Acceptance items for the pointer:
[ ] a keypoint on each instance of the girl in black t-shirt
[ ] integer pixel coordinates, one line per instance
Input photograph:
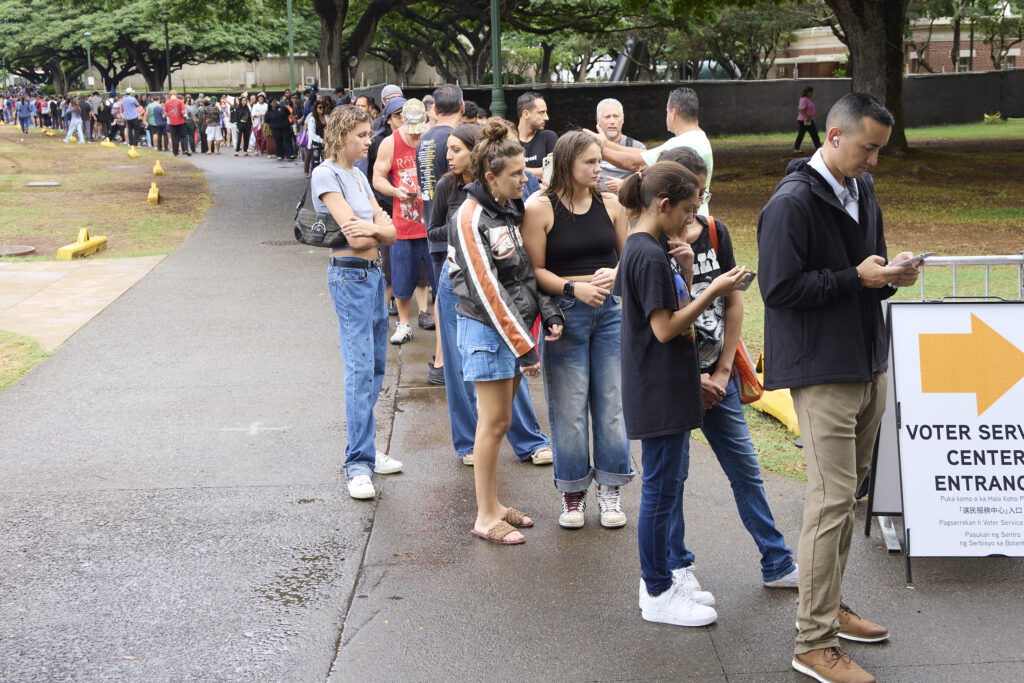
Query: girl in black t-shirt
(661, 393)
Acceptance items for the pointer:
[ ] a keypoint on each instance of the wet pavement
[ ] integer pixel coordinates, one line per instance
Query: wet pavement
(174, 509)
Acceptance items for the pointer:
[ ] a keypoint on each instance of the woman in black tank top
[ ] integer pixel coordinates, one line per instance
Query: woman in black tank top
(574, 235)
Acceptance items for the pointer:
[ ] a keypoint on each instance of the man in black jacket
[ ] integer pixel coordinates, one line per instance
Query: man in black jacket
(822, 262)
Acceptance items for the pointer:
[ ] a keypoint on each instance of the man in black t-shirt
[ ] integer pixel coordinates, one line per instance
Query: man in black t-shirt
(431, 164)
(536, 141)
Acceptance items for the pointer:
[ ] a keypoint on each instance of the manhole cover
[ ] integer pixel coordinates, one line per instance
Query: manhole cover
(16, 250)
(279, 243)
(43, 183)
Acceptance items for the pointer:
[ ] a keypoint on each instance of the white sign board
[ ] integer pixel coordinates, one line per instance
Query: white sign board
(957, 371)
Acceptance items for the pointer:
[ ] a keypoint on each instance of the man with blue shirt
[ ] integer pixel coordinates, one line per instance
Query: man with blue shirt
(130, 112)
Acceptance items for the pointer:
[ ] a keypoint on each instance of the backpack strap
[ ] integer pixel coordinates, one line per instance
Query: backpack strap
(713, 232)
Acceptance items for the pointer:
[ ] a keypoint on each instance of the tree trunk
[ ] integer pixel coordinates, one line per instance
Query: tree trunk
(954, 52)
(545, 62)
(874, 29)
(334, 50)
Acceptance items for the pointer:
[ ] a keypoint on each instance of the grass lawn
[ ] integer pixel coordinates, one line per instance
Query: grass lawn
(18, 355)
(958, 192)
(101, 189)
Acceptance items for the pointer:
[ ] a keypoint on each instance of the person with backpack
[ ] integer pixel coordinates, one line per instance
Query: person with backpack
(661, 389)
(610, 117)
(717, 332)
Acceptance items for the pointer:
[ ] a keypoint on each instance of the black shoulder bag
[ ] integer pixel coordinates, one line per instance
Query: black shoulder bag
(317, 229)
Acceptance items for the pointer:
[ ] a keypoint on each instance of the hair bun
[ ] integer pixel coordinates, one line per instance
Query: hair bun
(496, 130)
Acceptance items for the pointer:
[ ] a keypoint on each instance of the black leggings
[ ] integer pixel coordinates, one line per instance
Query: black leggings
(242, 139)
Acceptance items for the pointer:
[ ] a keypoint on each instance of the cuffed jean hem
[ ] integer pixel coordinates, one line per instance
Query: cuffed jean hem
(601, 477)
(355, 469)
(576, 485)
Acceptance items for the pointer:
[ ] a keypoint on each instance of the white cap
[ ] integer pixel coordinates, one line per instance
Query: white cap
(129, 91)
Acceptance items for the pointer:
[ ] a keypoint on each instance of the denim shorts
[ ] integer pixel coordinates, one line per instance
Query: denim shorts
(485, 357)
(408, 257)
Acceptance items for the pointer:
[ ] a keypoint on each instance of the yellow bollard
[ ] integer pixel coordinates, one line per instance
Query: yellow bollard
(154, 195)
(107, 143)
(133, 153)
(74, 138)
(51, 133)
(83, 247)
(156, 168)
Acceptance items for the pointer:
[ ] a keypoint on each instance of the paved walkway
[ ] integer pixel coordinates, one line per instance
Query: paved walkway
(50, 300)
(174, 508)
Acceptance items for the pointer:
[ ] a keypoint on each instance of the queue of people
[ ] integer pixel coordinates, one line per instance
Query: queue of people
(614, 283)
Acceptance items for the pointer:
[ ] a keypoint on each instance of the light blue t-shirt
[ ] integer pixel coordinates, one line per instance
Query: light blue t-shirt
(351, 183)
(130, 109)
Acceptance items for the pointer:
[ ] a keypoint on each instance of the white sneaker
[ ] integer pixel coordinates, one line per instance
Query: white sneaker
(361, 487)
(573, 507)
(790, 580)
(675, 606)
(686, 577)
(385, 464)
(403, 333)
(608, 500)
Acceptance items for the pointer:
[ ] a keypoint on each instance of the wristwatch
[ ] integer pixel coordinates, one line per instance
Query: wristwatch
(569, 289)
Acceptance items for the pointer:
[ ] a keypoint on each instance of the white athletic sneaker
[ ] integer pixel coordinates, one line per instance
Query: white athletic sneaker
(361, 487)
(790, 580)
(573, 507)
(385, 464)
(686, 577)
(403, 333)
(675, 606)
(608, 500)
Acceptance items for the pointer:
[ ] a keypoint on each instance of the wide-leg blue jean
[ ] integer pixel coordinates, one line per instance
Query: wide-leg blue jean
(727, 433)
(524, 434)
(358, 294)
(583, 380)
(666, 463)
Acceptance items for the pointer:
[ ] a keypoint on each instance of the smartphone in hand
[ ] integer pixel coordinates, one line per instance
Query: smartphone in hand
(912, 260)
(748, 280)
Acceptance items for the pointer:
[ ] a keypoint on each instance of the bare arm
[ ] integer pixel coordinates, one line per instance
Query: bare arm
(629, 158)
(382, 168)
(361, 234)
(667, 325)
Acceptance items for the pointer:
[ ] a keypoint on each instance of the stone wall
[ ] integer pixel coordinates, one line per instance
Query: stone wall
(736, 107)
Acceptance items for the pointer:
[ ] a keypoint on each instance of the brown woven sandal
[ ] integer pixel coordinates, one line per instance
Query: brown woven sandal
(517, 518)
(498, 532)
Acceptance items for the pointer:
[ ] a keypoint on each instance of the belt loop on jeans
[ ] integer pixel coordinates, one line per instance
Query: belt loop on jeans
(353, 262)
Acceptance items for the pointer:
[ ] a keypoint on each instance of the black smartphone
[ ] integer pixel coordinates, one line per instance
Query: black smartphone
(748, 280)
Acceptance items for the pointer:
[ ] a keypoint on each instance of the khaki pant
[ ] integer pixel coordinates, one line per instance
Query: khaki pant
(838, 423)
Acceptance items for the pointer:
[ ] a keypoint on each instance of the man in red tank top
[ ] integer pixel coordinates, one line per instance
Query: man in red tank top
(394, 175)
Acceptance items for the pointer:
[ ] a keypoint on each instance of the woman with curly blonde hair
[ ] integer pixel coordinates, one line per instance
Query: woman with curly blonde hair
(356, 283)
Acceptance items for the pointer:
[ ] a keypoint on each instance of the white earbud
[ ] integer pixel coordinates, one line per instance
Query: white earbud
(835, 141)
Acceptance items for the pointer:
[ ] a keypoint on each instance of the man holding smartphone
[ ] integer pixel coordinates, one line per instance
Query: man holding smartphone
(823, 275)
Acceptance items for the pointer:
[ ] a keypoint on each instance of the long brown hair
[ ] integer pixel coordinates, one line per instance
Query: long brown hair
(568, 149)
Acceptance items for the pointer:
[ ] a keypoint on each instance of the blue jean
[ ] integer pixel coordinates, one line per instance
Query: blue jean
(26, 121)
(358, 295)
(75, 127)
(583, 379)
(666, 463)
(407, 257)
(524, 434)
(726, 430)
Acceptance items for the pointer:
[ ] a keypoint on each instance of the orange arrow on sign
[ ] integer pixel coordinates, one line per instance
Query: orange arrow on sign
(982, 362)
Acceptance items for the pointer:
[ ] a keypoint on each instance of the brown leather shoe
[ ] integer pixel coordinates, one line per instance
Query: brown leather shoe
(831, 665)
(853, 627)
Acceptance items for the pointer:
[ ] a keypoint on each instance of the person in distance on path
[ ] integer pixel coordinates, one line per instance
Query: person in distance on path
(822, 262)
